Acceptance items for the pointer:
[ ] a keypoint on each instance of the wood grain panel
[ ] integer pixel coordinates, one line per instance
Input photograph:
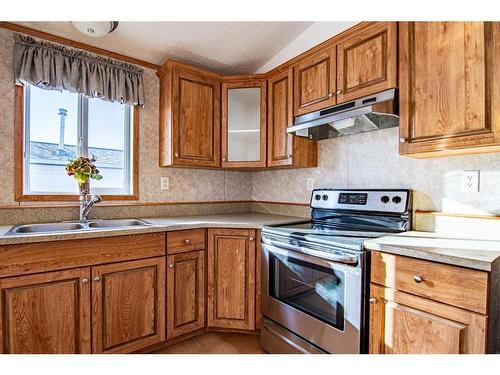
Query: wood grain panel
(407, 324)
(453, 285)
(128, 302)
(231, 278)
(185, 293)
(48, 256)
(196, 119)
(186, 240)
(315, 82)
(367, 61)
(47, 313)
(280, 117)
(447, 86)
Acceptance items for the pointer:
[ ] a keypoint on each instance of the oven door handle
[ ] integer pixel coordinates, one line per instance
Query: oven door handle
(309, 255)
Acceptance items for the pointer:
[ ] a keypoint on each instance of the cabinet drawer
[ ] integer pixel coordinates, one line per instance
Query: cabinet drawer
(185, 240)
(452, 285)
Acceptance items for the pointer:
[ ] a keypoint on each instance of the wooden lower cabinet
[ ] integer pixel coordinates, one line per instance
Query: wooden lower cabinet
(47, 313)
(231, 279)
(402, 323)
(185, 293)
(128, 301)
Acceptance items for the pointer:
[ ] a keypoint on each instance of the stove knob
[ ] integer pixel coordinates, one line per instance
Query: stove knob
(384, 199)
(317, 197)
(396, 199)
(325, 197)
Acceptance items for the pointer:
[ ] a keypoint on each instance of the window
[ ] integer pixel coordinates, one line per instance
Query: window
(59, 126)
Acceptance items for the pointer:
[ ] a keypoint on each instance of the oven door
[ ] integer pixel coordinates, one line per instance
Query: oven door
(318, 299)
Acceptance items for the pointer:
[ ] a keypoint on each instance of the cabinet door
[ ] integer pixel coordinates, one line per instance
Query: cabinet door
(315, 82)
(401, 323)
(283, 149)
(128, 305)
(446, 83)
(244, 123)
(196, 119)
(280, 117)
(47, 313)
(366, 61)
(185, 293)
(231, 278)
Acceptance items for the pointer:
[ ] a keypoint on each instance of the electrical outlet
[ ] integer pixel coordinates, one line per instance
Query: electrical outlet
(164, 183)
(310, 183)
(470, 181)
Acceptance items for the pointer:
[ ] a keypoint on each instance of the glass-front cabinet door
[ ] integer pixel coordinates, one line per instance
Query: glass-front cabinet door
(244, 124)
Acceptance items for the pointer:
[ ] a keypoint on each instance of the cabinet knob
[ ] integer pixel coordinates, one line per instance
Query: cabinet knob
(223, 159)
(289, 156)
(403, 140)
(339, 91)
(372, 300)
(418, 279)
(97, 278)
(251, 238)
(176, 154)
(330, 94)
(187, 242)
(171, 265)
(85, 280)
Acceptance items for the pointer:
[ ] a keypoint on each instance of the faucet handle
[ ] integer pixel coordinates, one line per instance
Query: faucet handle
(96, 198)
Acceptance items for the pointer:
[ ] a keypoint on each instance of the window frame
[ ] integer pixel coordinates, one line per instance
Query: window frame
(19, 159)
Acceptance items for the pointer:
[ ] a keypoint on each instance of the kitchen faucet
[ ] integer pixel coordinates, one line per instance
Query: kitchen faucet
(87, 201)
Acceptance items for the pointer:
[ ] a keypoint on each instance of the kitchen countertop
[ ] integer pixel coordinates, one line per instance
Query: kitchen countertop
(250, 220)
(455, 250)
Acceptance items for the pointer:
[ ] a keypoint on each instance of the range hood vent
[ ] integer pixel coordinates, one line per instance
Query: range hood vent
(374, 112)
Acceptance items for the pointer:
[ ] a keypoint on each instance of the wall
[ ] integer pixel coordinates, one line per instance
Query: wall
(186, 185)
(371, 160)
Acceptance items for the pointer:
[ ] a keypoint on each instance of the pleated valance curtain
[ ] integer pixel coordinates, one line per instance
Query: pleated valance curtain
(56, 67)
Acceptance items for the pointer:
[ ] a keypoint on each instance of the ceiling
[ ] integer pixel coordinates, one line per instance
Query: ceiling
(223, 47)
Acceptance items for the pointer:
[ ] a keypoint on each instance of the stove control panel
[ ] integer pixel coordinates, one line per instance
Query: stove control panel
(390, 201)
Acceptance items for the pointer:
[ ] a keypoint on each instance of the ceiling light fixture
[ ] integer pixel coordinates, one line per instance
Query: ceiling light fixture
(95, 29)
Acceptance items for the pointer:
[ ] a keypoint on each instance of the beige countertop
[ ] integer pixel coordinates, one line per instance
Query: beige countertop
(455, 250)
(237, 220)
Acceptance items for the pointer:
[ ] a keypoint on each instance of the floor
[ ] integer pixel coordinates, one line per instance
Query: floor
(216, 343)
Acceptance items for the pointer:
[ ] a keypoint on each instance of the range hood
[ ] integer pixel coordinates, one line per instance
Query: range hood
(373, 112)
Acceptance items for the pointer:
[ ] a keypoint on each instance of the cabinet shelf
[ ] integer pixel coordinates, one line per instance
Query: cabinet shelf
(236, 131)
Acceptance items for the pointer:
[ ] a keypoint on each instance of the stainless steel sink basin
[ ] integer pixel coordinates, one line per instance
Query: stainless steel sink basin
(74, 226)
(117, 223)
(45, 228)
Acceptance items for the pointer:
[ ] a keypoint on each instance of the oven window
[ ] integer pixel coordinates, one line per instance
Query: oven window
(313, 289)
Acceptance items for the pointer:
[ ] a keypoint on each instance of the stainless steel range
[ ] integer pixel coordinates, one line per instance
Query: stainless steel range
(315, 274)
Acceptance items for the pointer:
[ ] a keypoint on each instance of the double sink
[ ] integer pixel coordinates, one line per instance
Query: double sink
(76, 226)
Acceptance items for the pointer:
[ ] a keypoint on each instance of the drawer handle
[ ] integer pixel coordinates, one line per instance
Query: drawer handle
(251, 238)
(418, 279)
(187, 242)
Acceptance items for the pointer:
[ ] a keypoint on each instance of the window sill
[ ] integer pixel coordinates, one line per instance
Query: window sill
(71, 198)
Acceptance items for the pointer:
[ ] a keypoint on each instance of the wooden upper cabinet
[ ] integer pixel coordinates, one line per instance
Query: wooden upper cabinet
(47, 313)
(244, 116)
(315, 82)
(189, 116)
(128, 300)
(231, 279)
(185, 293)
(367, 61)
(449, 84)
(283, 149)
(401, 323)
